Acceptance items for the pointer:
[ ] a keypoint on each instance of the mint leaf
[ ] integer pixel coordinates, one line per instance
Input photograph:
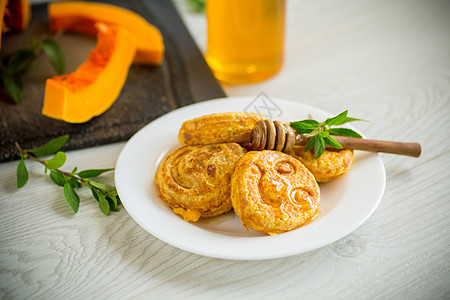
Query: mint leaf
(103, 204)
(344, 132)
(319, 146)
(106, 195)
(324, 134)
(19, 62)
(332, 142)
(54, 54)
(320, 133)
(51, 147)
(336, 120)
(305, 126)
(56, 161)
(22, 174)
(310, 122)
(74, 183)
(94, 193)
(113, 202)
(16, 64)
(103, 187)
(197, 5)
(340, 119)
(92, 173)
(57, 178)
(14, 86)
(311, 143)
(71, 197)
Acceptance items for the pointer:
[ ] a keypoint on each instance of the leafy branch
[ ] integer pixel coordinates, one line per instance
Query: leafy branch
(15, 65)
(106, 195)
(197, 6)
(320, 133)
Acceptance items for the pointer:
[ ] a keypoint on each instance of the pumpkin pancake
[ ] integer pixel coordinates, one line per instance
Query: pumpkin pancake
(195, 180)
(331, 165)
(273, 192)
(218, 128)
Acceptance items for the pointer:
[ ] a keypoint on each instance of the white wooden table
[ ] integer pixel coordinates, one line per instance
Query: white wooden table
(385, 61)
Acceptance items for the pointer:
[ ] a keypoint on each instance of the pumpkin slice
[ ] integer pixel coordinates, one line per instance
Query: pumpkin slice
(79, 16)
(14, 16)
(95, 85)
(2, 16)
(17, 15)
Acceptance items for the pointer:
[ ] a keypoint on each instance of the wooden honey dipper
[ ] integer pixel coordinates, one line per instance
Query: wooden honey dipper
(274, 135)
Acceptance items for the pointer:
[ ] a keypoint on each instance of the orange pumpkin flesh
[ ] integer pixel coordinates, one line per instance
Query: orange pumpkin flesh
(17, 15)
(79, 16)
(2, 13)
(95, 85)
(14, 16)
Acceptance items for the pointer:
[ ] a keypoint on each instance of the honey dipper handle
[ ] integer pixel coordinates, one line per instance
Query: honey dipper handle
(409, 149)
(274, 135)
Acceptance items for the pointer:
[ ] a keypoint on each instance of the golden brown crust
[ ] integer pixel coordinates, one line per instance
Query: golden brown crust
(195, 180)
(218, 128)
(330, 165)
(273, 192)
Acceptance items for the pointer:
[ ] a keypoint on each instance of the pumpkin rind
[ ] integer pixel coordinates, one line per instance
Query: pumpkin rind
(79, 16)
(95, 85)
(2, 14)
(16, 16)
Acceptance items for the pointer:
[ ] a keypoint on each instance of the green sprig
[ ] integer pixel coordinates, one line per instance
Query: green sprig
(320, 133)
(15, 65)
(197, 6)
(106, 195)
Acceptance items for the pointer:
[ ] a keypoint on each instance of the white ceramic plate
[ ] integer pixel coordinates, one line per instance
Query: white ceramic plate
(345, 203)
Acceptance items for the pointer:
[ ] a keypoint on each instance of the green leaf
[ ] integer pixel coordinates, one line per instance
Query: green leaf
(332, 142)
(94, 193)
(113, 203)
(57, 178)
(197, 5)
(103, 187)
(56, 161)
(340, 119)
(14, 86)
(16, 64)
(319, 146)
(336, 120)
(51, 147)
(19, 61)
(344, 132)
(22, 174)
(103, 204)
(71, 197)
(324, 134)
(310, 122)
(305, 126)
(35, 45)
(92, 173)
(74, 183)
(54, 54)
(321, 132)
(112, 200)
(310, 144)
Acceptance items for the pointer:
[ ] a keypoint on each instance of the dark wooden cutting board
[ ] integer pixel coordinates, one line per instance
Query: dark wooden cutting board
(149, 92)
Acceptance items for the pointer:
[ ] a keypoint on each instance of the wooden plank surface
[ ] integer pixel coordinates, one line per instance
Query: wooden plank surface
(385, 61)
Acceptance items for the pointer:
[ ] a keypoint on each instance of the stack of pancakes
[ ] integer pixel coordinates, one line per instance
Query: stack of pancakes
(269, 191)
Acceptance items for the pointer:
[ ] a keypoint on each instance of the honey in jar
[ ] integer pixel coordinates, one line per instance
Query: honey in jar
(245, 39)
